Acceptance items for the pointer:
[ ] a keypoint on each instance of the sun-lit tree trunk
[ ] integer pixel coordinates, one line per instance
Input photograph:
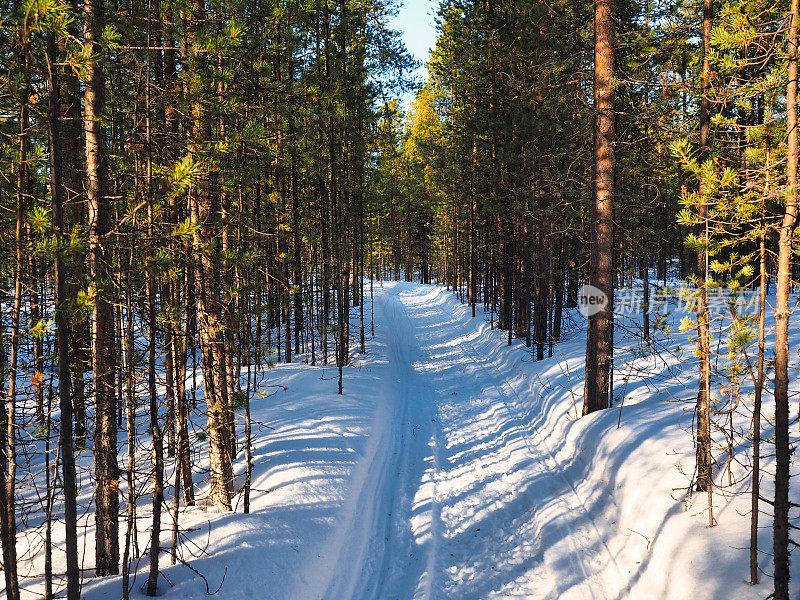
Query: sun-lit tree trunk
(205, 211)
(780, 526)
(600, 335)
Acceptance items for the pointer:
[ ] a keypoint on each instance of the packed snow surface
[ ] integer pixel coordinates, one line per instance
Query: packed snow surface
(455, 467)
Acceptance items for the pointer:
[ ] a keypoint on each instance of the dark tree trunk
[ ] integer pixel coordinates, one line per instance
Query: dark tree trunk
(184, 452)
(63, 329)
(644, 274)
(703, 453)
(757, 394)
(103, 346)
(558, 291)
(205, 210)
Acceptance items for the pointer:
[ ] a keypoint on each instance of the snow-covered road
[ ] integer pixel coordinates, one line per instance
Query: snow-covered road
(454, 467)
(466, 502)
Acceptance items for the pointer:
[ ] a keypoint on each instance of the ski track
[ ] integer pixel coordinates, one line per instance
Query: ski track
(473, 504)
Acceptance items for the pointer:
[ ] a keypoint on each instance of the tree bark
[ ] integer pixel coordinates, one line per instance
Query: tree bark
(600, 335)
(205, 211)
(62, 321)
(8, 469)
(780, 528)
(103, 348)
(704, 459)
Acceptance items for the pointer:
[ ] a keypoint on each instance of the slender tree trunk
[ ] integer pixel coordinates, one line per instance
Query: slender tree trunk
(169, 373)
(8, 489)
(297, 247)
(63, 329)
(559, 293)
(704, 458)
(248, 443)
(38, 345)
(759, 387)
(644, 273)
(50, 501)
(473, 288)
(158, 441)
(156, 433)
(72, 135)
(780, 528)
(184, 452)
(130, 425)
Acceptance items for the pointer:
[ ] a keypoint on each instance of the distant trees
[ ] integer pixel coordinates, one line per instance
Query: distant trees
(503, 190)
(511, 88)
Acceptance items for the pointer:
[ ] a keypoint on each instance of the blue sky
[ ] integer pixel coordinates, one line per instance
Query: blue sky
(416, 21)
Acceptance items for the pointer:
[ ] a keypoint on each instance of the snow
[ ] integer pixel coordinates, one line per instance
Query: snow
(454, 466)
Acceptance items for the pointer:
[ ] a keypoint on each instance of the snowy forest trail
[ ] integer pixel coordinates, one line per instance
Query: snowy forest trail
(455, 467)
(467, 503)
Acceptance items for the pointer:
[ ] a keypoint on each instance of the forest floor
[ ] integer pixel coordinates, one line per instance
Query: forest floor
(455, 467)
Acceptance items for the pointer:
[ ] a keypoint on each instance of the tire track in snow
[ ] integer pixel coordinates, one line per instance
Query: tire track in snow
(439, 320)
(360, 543)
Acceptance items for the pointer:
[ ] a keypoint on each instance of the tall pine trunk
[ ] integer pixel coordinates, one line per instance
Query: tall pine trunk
(600, 335)
(62, 321)
(205, 211)
(103, 348)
